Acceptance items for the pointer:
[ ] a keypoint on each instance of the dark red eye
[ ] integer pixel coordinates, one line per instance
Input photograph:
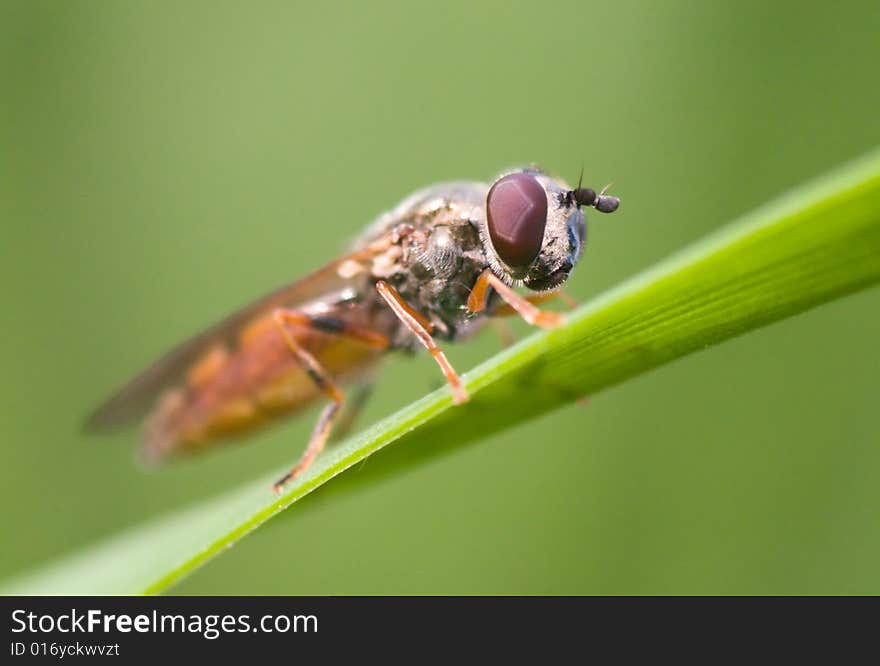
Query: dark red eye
(516, 210)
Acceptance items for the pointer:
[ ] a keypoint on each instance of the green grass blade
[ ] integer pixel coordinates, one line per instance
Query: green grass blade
(819, 242)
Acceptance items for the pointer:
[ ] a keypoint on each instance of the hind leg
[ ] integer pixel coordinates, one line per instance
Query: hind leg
(319, 375)
(354, 405)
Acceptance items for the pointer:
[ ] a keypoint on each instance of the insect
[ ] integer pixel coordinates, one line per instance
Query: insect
(435, 267)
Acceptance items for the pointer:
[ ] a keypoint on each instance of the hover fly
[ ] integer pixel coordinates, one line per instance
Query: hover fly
(433, 268)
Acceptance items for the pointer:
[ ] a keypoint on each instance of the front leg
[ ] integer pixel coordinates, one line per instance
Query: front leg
(534, 316)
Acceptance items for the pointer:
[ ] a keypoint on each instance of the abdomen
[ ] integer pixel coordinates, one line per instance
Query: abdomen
(232, 391)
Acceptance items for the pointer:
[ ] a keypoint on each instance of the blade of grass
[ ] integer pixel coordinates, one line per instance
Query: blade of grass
(817, 243)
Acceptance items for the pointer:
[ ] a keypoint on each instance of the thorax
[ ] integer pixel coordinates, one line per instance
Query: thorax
(436, 254)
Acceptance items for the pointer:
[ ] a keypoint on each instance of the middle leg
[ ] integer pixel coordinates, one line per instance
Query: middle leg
(415, 323)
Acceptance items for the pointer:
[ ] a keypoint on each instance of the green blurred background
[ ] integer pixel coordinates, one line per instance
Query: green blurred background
(163, 163)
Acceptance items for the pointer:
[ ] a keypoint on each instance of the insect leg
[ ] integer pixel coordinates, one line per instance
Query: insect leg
(316, 445)
(320, 377)
(353, 407)
(520, 304)
(569, 300)
(504, 331)
(508, 309)
(505, 310)
(415, 323)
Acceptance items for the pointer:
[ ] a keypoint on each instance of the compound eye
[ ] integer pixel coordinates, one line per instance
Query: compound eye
(516, 211)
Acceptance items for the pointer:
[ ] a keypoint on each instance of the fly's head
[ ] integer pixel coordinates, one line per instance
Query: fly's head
(534, 230)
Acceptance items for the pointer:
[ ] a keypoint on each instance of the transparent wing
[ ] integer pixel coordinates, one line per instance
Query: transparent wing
(133, 400)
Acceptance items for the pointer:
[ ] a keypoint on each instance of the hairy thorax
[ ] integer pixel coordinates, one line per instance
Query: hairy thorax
(436, 259)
